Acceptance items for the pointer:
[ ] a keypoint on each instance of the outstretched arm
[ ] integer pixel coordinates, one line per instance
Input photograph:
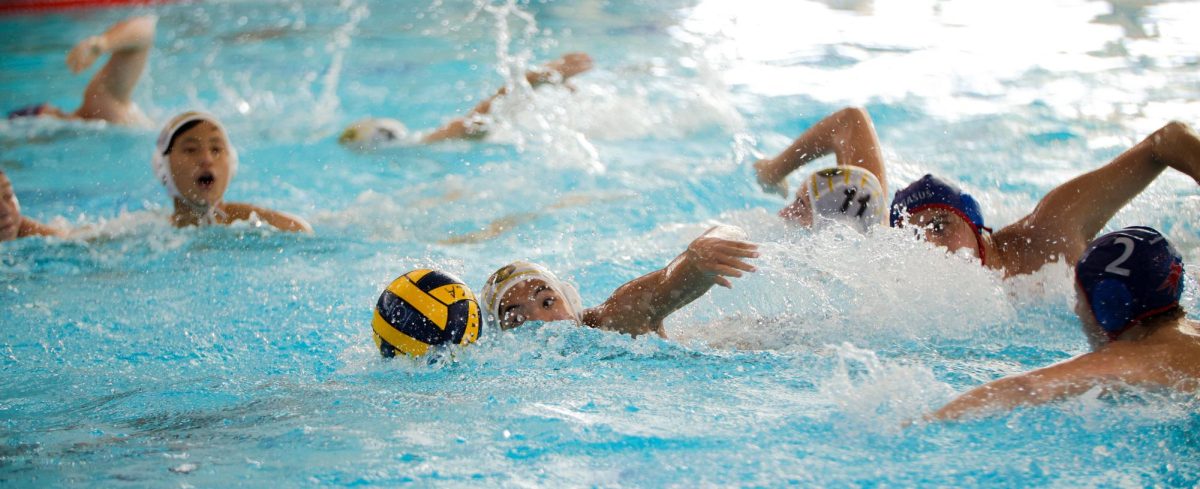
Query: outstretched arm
(1109, 366)
(847, 133)
(1074, 212)
(557, 71)
(641, 305)
(129, 41)
(12, 224)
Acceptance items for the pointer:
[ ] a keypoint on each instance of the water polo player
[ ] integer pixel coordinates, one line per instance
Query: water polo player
(1066, 218)
(1128, 285)
(522, 291)
(195, 163)
(109, 95)
(853, 192)
(371, 132)
(12, 224)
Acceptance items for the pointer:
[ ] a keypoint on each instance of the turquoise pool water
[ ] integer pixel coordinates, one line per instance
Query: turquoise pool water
(143, 356)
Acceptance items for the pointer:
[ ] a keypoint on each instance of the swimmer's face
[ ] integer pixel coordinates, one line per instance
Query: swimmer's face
(532, 300)
(10, 211)
(1091, 328)
(199, 162)
(946, 229)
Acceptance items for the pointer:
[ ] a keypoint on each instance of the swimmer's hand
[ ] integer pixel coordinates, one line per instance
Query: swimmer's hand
(10, 211)
(765, 171)
(85, 53)
(719, 258)
(561, 69)
(1178, 145)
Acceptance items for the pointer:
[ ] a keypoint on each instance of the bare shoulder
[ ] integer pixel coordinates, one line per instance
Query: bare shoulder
(1028, 245)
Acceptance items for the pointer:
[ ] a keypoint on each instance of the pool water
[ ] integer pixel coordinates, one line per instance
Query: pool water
(140, 355)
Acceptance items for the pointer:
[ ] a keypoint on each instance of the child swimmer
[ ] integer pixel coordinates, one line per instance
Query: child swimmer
(371, 132)
(1128, 285)
(195, 163)
(109, 95)
(522, 291)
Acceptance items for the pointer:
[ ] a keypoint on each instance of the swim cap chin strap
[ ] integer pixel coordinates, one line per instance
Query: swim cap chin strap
(161, 164)
(509, 276)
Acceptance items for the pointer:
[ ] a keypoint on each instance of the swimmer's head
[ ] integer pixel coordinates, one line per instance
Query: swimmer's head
(194, 160)
(370, 133)
(1124, 277)
(523, 291)
(10, 210)
(845, 194)
(39, 110)
(949, 216)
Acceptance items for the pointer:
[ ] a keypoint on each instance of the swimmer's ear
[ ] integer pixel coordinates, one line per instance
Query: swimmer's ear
(1111, 300)
(350, 134)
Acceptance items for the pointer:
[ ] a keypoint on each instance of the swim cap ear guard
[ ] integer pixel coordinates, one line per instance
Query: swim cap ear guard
(1129, 275)
(508, 276)
(932, 192)
(160, 164)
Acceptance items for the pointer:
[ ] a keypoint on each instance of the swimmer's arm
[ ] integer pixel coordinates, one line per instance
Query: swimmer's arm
(129, 42)
(279, 220)
(1079, 209)
(641, 305)
(1110, 366)
(848, 133)
(30, 227)
(556, 71)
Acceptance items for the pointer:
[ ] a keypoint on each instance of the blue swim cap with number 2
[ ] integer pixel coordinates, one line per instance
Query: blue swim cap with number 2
(1129, 275)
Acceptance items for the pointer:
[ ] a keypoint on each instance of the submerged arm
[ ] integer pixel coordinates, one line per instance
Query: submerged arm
(129, 42)
(1080, 208)
(556, 71)
(847, 133)
(641, 305)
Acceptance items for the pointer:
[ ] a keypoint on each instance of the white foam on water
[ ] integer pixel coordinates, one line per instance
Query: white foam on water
(879, 396)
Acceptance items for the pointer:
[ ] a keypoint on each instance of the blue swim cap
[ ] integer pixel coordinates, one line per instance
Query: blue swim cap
(27, 111)
(1129, 275)
(931, 191)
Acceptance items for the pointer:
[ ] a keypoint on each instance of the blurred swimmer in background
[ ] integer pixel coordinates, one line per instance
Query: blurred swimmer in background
(372, 132)
(1062, 223)
(522, 291)
(853, 192)
(195, 162)
(109, 95)
(12, 224)
(1128, 285)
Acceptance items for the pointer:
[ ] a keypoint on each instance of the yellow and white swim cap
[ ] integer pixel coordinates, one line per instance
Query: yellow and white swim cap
(847, 194)
(508, 276)
(370, 133)
(159, 162)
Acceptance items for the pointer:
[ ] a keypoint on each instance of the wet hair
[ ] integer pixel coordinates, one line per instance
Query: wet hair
(182, 129)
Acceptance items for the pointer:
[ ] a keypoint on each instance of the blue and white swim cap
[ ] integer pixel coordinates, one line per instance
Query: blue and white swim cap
(1129, 275)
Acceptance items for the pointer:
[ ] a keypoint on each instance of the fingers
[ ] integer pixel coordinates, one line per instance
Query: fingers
(747, 251)
(736, 263)
(721, 269)
(723, 282)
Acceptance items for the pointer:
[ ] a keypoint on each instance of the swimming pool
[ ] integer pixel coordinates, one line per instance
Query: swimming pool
(150, 356)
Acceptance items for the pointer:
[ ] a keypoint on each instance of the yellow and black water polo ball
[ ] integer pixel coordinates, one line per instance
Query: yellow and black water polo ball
(424, 308)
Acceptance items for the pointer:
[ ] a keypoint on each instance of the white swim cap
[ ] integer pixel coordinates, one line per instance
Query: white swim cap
(162, 167)
(508, 276)
(847, 194)
(370, 133)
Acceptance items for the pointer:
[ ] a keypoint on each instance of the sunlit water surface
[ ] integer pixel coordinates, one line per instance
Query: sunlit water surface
(140, 355)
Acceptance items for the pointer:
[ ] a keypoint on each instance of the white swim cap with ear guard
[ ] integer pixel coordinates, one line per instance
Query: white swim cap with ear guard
(160, 164)
(847, 194)
(508, 276)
